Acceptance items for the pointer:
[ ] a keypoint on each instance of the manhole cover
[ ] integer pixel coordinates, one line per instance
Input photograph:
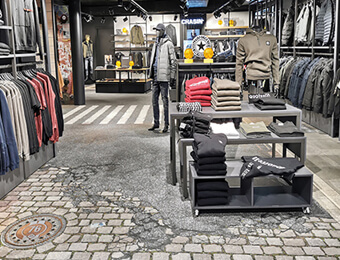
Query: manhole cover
(33, 231)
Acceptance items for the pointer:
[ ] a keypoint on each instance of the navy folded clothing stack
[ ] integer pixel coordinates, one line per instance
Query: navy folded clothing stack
(209, 154)
(210, 193)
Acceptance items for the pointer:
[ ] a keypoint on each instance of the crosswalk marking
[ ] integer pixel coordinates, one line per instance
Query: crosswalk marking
(96, 115)
(81, 115)
(110, 116)
(73, 111)
(127, 115)
(142, 115)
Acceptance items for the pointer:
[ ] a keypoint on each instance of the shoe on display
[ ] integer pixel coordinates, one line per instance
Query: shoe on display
(154, 127)
(165, 129)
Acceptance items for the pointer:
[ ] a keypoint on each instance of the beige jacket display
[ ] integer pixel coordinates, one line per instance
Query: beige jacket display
(136, 35)
(259, 52)
(87, 49)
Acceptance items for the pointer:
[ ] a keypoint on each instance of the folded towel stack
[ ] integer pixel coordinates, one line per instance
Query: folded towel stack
(225, 95)
(198, 90)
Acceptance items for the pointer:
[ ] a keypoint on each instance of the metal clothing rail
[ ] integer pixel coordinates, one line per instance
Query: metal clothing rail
(309, 53)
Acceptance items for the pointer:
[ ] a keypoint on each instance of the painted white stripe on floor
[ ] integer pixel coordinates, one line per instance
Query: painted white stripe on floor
(73, 111)
(81, 115)
(127, 115)
(110, 116)
(96, 115)
(142, 115)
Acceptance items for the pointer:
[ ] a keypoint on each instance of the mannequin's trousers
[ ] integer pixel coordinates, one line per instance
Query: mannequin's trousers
(163, 89)
(88, 63)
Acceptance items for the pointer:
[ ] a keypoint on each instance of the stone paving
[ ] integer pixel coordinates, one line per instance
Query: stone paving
(108, 225)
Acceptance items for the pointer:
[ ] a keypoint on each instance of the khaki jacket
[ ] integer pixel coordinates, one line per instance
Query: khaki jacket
(87, 49)
(136, 35)
(259, 51)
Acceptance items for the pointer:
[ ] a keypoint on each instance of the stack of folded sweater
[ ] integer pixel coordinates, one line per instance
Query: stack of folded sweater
(225, 128)
(286, 129)
(270, 103)
(211, 193)
(254, 130)
(198, 90)
(225, 95)
(195, 122)
(209, 154)
(4, 49)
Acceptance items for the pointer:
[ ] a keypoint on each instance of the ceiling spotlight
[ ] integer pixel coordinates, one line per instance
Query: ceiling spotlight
(145, 17)
(150, 18)
(127, 7)
(88, 18)
(120, 3)
(175, 18)
(115, 19)
(102, 20)
(133, 9)
(125, 19)
(139, 14)
(185, 14)
(217, 15)
(183, 4)
(111, 11)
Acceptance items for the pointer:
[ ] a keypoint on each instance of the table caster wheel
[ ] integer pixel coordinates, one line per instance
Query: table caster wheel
(306, 210)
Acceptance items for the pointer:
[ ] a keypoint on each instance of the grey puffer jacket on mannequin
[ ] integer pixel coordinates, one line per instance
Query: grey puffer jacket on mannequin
(167, 62)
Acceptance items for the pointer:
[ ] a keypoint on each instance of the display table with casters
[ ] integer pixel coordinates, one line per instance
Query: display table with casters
(297, 145)
(248, 110)
(113, 85)
(252, 195)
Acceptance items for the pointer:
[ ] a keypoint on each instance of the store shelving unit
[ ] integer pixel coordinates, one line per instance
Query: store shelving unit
(248, 195)
(12, 63)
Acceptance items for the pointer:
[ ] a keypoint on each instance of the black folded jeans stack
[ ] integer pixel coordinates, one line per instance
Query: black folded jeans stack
(195, 122)
(210, 193)
(270, 103)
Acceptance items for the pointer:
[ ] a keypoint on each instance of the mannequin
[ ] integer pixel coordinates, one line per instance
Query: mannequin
(258, 51)
(162, 71)
(88, 57)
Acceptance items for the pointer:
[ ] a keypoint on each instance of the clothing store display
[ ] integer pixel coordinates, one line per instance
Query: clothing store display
(26, 24)
(256, 166)
(286, 129)
(88, 58)
(137, 58)
(225, 128)
(303, 24)
(198, 90)
(259, 52)
(334, 103)
(136, 35)
(270, 103)
(254, 130)
(324, 28)
(170, 30)
(8, 147)
(194, 122)
(211, 193)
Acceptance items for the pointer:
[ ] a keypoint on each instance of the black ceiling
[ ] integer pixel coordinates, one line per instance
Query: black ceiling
(100, 7)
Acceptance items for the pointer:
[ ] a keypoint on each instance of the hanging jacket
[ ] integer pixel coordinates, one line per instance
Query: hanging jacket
(170, 30)
(166, 63)
(259, 52)
(334, 103)
(328, 23)
(136, 35)
(8, 135)
(303, 24)
(288, 28)
(26, 25)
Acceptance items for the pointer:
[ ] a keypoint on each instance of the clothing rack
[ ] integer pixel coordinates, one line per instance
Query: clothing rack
(329, 125)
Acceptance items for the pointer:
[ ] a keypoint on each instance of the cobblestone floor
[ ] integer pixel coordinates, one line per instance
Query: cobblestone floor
(131, 229)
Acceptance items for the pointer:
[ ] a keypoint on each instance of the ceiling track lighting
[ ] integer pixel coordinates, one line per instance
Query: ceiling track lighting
(227, 7)
(175, 18)
(125, 19)
(88, 17)
(103, 20)
(111, 11)
(120, 3)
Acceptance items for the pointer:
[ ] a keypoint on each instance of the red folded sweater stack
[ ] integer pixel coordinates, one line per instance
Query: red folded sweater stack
(198, 90)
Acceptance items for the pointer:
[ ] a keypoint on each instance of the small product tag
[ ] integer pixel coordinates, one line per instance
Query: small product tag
(182, 125)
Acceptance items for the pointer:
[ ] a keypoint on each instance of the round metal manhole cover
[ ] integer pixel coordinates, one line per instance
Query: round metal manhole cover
(33, 231)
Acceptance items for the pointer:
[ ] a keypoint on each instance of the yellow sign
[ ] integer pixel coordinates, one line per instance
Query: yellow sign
(188, 53)
(231, 23)
(131, 63)
(220, 22)
(208, 53)
(118, 64)
(125, 30)
(188, 61)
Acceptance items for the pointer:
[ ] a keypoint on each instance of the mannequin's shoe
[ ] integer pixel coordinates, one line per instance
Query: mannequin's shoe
(165, 129)
(154, 127)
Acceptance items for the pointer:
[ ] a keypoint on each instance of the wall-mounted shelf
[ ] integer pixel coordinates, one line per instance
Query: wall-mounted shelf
(133, 48)
(224, 36)
(10, 56)
(308, 47)
(120, 34)
(226, 28)
(5, 27)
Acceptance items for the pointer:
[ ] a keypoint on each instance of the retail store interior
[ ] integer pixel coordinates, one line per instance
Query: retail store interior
(170, 130)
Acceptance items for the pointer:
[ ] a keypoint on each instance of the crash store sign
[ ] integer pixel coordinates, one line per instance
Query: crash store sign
(199, 44)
